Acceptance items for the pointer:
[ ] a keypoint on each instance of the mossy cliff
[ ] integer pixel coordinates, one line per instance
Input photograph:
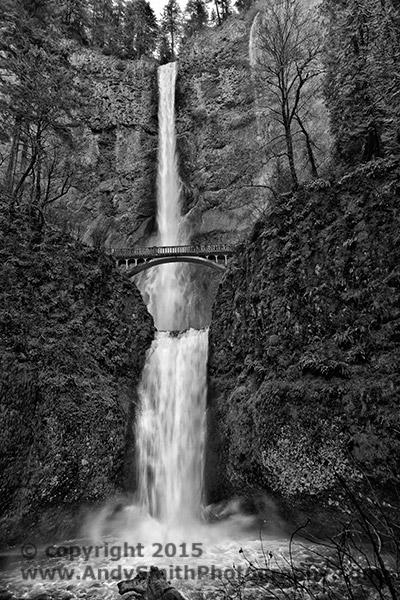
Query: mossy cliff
(304, 345)
(74, 334)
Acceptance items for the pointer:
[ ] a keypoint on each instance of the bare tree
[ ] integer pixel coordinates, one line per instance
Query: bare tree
(287, 72)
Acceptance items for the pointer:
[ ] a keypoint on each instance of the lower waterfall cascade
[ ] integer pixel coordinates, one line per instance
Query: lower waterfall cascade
(170, 432)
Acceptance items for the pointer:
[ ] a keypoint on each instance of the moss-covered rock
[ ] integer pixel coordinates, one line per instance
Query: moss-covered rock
(304, 344)
(74, 334)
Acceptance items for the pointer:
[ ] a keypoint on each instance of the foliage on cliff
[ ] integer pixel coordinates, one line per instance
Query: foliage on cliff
(305, 341)
(39, 100)
(362, 62)
(74, 334)
(78, 131)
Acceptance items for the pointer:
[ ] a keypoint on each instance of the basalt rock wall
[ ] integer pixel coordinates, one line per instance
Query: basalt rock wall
(217, 133)
(113, 202)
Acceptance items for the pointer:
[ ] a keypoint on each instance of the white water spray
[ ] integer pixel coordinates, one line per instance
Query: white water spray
(170, 428)
(254, 56)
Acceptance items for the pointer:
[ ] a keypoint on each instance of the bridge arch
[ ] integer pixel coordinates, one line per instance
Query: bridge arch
(153, 262)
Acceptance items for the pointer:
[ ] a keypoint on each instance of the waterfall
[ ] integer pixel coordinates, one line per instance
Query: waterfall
(170, 434)
(165, 286)
(254, 55)
(253, 47)
(172, 391)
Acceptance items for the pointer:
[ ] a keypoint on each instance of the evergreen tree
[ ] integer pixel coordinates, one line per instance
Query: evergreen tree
(362, 60)
(164, 49)
(226, 8)
(101, 17)
(220, 11)
(141, 29)
(42, 13)
(75, 19)
(171, 28)
(38, 98)
(243, 5)
(196, 16)
(115, 40)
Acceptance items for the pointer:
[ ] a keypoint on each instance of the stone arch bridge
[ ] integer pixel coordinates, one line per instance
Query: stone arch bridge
(138, 259)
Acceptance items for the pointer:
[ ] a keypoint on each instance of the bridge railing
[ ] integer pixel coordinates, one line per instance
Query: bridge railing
(137, 252)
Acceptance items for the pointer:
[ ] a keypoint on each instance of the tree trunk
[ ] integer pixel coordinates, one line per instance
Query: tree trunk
(218, 15)
(372, 146)
(310, 151)
(12, 161)
(290, 153)
(172, 41)
(286, 121)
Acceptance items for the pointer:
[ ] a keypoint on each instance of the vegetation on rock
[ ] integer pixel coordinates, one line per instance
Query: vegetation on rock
(78, 131)
(307, 321)
(74, 334)
(362, 63)
(307, 317)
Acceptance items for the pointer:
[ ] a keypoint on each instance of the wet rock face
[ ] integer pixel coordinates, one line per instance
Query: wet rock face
(114, 203)
(217, 133)
(304, 346)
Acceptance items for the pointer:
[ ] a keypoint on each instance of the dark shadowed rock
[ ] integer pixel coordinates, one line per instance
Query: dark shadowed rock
(138, 584)
(132, 595)
(151, 586)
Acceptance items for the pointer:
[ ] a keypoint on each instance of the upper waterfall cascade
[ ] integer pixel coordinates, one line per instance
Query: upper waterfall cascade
(166, 286)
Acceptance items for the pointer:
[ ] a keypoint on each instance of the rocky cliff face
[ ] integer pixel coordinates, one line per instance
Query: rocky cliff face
(223, 139)
(73, 339)
(114, 202)
(304, 346)
(217, 133)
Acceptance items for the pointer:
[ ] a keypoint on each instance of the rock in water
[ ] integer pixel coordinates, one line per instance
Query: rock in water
(138, 584)
(158, 587)
(151, 586)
